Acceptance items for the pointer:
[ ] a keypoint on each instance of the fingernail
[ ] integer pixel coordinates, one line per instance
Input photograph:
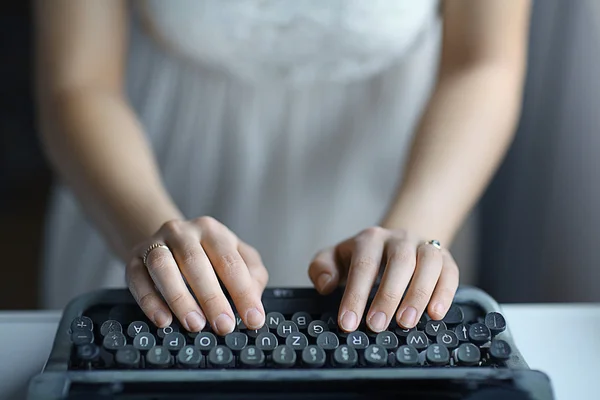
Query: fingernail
(439, 309)
(161, 318)
(322, 281)
(378, 321)
(255, 318)
(194, 321)
(224, 324)
(408, 317)
(349, 321)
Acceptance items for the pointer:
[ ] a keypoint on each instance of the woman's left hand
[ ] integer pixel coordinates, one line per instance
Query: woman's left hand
(431, 272)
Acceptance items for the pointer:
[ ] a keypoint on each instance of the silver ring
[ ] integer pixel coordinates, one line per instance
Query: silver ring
(149, 250)
(435, 244)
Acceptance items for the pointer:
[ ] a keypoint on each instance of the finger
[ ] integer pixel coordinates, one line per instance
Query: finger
(427, 272)
(446, 287)
(400, 265)
(221, 247)
(143, 291)
(364, 266)
(199, 273)
(167, 278)
(257, 269)
(324, 271)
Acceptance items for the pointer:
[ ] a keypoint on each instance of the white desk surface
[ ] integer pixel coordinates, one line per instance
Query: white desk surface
(561, 340)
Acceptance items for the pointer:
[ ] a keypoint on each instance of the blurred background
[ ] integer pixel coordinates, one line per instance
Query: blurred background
(539, 217)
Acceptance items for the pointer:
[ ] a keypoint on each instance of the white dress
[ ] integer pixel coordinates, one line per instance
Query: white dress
(289, 121)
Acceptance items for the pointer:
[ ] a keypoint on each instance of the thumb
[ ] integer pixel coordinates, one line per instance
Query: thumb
(324, 271)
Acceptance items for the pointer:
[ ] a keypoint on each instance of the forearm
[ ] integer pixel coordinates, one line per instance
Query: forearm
(462, 138)
(97, 147)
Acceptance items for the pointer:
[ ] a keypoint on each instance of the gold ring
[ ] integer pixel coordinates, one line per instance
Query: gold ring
(435, 244)
(149, 250)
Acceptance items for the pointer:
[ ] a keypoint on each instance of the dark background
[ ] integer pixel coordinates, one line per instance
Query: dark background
(24, 175)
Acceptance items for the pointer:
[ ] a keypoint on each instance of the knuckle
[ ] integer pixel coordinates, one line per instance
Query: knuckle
(353, 299)
(208, 223)
(148, 301)
(388, 298)
(230, 264)
(373, 231)
(420, 295)
(173, 226)
(403, 256)
(445, 292)
(189, 257)
(210, 300)
(177, 300)
(158, 260)
(364, 264)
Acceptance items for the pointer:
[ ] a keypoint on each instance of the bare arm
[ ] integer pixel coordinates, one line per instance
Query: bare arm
(466, 129)
(97, 146)
(470, 120)
(90, 134)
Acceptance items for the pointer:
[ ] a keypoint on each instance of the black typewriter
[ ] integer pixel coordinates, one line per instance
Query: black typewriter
(105, 348)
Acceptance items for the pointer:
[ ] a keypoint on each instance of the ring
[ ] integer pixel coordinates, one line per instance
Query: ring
(149, 250)
(435, 244)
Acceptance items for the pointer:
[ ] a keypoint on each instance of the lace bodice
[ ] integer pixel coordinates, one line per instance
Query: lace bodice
(288, 39)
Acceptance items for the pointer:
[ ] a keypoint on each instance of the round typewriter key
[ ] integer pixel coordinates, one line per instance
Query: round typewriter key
(376, 356)
(236, 341)
(467, 354)
(345, 356)
(387, 339)
(110, 326)
(479, 333)
(144, 341)
(162, 332)
(274, 319)
(302, 320)
(79, 337)
(189, 357)
(239, 323)
(402, 332)
(357, 339)
(454, 316)
(284, 356)
(462, 332)
(418, 340)
(266, 342)
(432, 328)
(313, 356)
(407, 356)
(205, 341)
(328, 341)
(128, 357)
(286, 328)
(447, 338)
(137, 327)
(82, 323)
(114, 341)
(220, 357)
(297, 341)
(437, 354)
(88, 352)
(330, 319)
(499, 350)
(174, 341)
(495, 323)
(158, 357)
(253, 333)
(252, 357)
(315, 328)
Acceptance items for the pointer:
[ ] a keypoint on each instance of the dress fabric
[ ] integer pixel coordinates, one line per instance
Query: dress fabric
(288, 121)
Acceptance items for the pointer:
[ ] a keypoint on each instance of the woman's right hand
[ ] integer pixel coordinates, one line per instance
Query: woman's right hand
(199, 250)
